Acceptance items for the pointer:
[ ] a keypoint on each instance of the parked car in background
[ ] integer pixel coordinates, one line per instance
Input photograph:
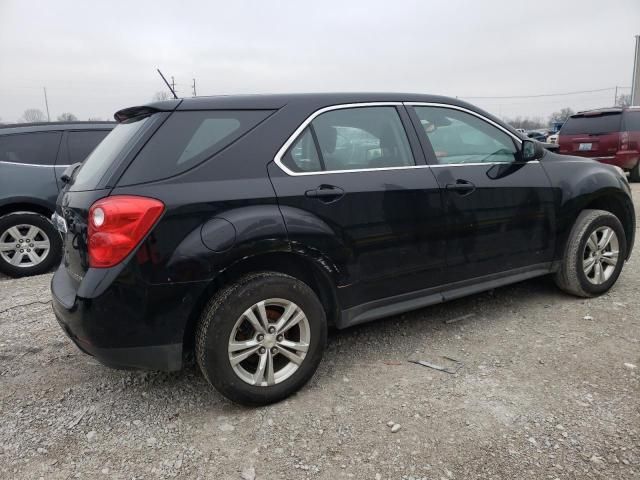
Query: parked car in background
(240, 227)
(537, 135)
(521, 130)
(609, 135)
(553, 138)
(32, 159)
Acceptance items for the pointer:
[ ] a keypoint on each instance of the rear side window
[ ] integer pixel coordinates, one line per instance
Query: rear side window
(592, 124)
(121, 138)
(351, 139)
(632, 121)
(187, 139)
(30, 148)
(81, 144)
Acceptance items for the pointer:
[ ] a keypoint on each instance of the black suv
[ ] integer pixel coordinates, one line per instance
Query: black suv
(240, 227)
(32, 160)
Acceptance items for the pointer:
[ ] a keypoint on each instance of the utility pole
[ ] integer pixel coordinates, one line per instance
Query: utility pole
(635, 83)
(615, 97)
(194, 88)
(173, 84)
(46, 102)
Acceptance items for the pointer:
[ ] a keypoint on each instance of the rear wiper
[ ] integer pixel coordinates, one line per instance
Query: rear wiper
(67, 175)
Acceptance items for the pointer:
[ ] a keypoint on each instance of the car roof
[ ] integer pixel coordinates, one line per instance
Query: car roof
(55, 127)
(606, 110)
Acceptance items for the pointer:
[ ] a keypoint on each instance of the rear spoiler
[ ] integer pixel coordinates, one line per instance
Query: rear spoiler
(144, 110)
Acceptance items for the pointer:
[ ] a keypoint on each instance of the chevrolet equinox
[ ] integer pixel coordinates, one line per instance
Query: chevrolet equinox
(240, 227)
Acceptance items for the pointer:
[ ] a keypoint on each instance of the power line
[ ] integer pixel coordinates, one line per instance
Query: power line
(545, 94)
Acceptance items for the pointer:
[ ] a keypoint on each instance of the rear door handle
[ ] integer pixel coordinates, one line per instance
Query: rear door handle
(463, 187)
(326, 193)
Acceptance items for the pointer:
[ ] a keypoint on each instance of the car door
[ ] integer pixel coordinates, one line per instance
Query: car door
(355, 192)
(499, 209)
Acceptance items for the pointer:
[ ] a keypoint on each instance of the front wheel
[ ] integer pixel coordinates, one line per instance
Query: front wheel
(29, 244)
(594, 254)
(262, 338)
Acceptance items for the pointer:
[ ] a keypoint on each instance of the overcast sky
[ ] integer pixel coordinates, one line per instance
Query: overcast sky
(96, 57)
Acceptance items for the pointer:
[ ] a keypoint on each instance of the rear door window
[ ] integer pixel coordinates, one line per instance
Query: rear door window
(81, 144)
(30, 148)
(121, 139)
(592, 124)
(187, 139)
(632, 121)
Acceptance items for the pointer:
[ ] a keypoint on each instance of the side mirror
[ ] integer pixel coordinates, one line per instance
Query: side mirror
(531, 150)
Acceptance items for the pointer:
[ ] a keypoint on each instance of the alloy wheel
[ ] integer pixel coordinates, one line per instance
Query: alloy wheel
(24, 245)
(269, 342)
(600, 255)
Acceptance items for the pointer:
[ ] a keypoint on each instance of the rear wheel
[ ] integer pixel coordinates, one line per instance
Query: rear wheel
(634, 173)
(262, 338)
(29, 244)
(594, 254)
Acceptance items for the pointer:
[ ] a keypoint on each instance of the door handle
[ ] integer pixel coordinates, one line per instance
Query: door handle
(326, 193)
(462, 187)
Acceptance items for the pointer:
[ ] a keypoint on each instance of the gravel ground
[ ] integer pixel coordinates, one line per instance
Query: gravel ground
(548, 389)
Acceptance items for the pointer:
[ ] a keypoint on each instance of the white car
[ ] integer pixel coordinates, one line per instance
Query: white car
(553, 138)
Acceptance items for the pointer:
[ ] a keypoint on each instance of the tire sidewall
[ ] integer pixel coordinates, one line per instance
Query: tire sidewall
(216, 361)
(40, 221)
(601, 221)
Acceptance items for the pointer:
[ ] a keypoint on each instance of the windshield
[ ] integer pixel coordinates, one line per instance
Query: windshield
(606, 123)
(118, 142)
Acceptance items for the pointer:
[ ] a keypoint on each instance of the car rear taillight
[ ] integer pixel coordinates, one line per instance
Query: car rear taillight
(117, 224)
(624, 140)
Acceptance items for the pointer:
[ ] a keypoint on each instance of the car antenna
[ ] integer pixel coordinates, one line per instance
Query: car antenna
(167, 83)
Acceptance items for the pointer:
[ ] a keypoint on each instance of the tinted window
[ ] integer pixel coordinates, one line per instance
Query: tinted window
(119, 140)
(606, 123)
(350, 139)
(81, 144)
(31, 148)
(187, 139)
(459, 137)
(632, 121)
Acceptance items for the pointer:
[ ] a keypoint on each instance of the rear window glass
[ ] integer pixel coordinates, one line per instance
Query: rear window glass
(81, 144)
(30, 148)
(187, 139)
(98, 162)
(632, 121)
(607, 123)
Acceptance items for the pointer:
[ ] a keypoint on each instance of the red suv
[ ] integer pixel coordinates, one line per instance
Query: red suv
(609, 135)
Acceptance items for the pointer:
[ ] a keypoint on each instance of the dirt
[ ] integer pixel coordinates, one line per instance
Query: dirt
(548, 387)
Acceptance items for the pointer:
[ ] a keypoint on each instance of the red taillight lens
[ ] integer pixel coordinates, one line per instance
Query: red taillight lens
(117, 224)
(624, 140)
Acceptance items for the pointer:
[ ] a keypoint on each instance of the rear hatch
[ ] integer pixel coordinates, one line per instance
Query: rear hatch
(591, 134)
(95, 179)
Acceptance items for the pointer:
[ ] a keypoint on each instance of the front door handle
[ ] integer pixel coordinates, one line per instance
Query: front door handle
(326, 193)
(462, 187)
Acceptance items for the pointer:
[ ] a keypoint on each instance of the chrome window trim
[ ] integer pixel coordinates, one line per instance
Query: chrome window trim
(278, 158)
(466, 110)
(32, 164)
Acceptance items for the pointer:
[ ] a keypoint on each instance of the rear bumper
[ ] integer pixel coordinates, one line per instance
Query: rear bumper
(625, 159)
(138, 327)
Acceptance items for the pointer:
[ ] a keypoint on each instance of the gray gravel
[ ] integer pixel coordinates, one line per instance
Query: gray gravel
(548, 389)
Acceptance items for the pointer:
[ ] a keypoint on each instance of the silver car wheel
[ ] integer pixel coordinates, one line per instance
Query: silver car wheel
(24, 245)
(269, 342)
(600, 255)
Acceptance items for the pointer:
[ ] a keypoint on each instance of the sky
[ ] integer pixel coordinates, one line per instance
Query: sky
(96, 57)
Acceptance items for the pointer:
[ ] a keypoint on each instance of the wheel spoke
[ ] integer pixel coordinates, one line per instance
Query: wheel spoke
(592, 243)
(588, 264)
(32, 232)
(258, 377)
(296, 346)
(249, 315)
(270, 377)
(17, 258)
(7, 246)
(606, 238)
(599, 276)
(41, 244)
(15, 233)
(237, 346)
(286, 315)
(34, 257)
(294, 321)
(610, 257)
(291, 356)
(262, 312)
(243, 356)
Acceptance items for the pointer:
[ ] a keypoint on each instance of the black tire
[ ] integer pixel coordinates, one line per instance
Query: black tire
(51, 259)
(219, 318)
(571, 276)
(634, 173)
